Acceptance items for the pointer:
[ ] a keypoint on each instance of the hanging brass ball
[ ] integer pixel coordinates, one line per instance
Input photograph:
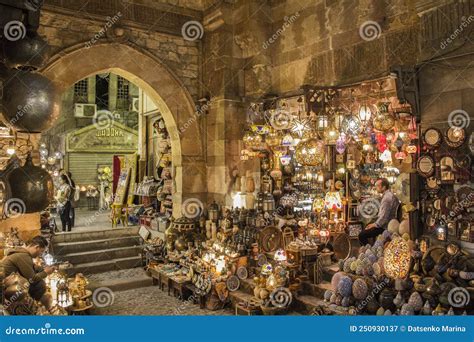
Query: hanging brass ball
(32, 185)
(310, 152)
(29, 53)
(30, 102)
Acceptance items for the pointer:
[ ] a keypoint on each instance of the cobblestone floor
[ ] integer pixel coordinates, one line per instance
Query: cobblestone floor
(129, 273)
(152, 301)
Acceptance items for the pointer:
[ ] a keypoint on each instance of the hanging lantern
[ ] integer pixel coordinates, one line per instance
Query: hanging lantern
(51, 160)
(261, 129)
(318, 204)
(30, 102)
(287, 140)
(273, 139)
(333, 201)
(28, 53)
(386, 156)
(300, 127)
(365, 113)
(383, 121)
(331, 135)
(32, 185)
(341, 144)
(351, 125)
(310, 152)
(252, 141)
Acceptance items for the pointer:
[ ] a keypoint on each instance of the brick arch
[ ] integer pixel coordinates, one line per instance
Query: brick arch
(173, 100)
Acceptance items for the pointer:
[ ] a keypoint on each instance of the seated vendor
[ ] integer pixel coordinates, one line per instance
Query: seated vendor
(387, 211)
(20, 260)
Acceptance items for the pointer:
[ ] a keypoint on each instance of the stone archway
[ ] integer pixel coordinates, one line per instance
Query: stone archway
(171, 97)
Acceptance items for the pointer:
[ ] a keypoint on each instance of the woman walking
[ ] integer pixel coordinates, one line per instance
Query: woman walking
(62, 197)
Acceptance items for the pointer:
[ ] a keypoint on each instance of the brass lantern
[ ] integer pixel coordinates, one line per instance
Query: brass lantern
(273, 139)
(383, 121)
(310, 152)
(351, 125)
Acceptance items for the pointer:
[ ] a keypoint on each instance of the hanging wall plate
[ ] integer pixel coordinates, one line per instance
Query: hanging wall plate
(432, 137)
(425, 166)
(455, 137)
(233, 283)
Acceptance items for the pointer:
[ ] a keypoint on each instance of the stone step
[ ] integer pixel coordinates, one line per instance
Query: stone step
(95, 235)
(104, 266)
(101, 255)
(62, 248)
(120, 280)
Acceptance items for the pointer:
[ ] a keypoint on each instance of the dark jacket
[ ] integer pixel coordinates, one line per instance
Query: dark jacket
(20, 261)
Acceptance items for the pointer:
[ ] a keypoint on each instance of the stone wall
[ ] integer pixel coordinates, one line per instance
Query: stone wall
(179, 55)
(252, 49)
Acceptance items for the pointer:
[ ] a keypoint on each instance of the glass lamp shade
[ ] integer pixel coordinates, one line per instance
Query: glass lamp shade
(333, 201)
(287, 140)
(365, 113)
(310, 152)
(273, 139)
(331, 135)
(383, 121)
(261, 129)
(397, 258)
(318, 204)
(252, 140)
(351, 125)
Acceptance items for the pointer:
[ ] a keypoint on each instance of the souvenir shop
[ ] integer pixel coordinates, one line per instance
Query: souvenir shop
(291, 242)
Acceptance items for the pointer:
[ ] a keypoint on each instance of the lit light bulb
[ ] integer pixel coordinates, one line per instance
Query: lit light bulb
(11, 151)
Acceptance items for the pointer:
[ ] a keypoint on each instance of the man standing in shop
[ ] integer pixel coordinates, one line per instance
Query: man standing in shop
(20, 260)
(387, 211)
(72, 198)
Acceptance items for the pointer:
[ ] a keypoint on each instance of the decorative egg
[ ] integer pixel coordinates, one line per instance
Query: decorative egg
(346, 302)
(360, 289)
(387, 313)
(327, 295)
(416, 301)
(404, 227)
(380, 312)
(333, 298)
(336, 279)
(398, 301)
(344, 287)
(393, 226)
(407, 310)
(338, 300)
(346, 266)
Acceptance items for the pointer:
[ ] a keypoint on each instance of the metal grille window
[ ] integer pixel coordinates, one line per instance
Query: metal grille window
(122, 88)
(80, 91)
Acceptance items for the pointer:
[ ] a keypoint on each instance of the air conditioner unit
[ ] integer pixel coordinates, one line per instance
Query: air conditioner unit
(84, 110)
(135, 104)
